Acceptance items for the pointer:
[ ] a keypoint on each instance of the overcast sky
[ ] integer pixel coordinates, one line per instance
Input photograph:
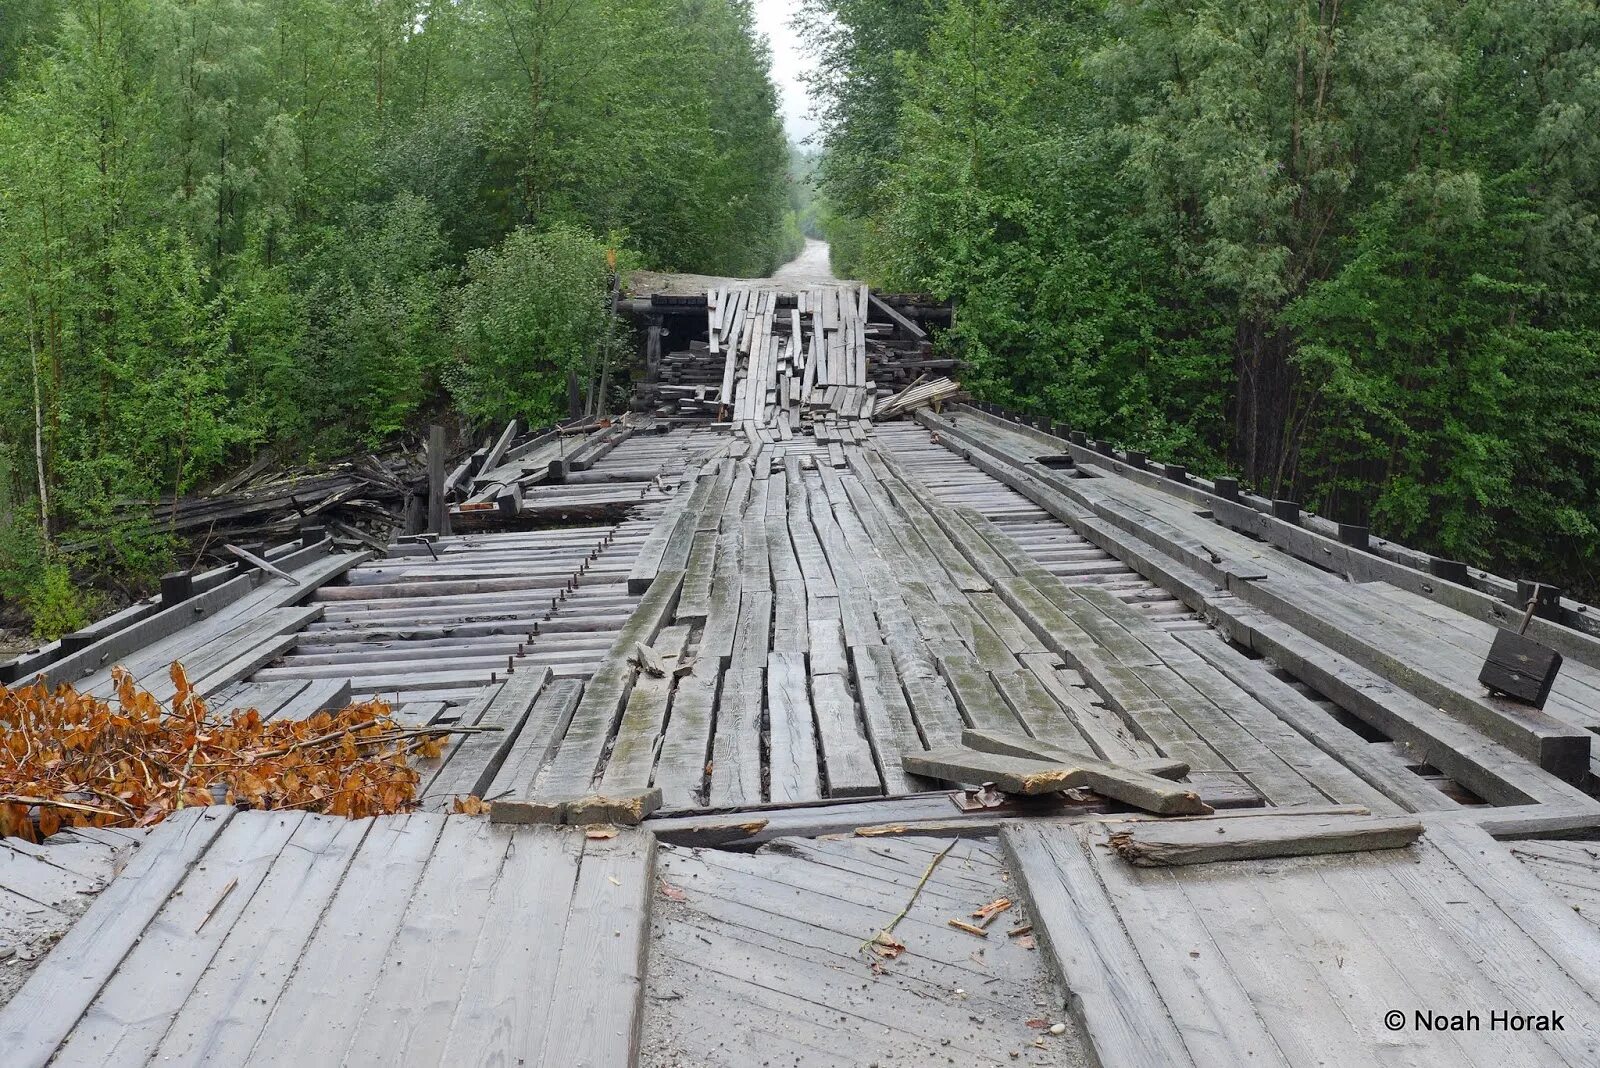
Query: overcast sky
(788, 61)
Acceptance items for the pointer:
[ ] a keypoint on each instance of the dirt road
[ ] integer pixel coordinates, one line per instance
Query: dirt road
(811, 267)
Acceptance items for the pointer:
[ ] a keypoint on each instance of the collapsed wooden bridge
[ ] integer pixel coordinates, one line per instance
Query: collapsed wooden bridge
(748, 719)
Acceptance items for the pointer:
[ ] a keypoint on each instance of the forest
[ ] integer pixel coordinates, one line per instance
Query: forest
(1347, 250)
(228, 224)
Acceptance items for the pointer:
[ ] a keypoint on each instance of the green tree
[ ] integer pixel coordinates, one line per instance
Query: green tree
(531, 312)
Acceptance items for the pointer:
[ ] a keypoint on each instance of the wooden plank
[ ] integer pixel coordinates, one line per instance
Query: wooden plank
(736, 748)
(1114, 1000)
(346, 955)
(825, 646)
(1210, 1003)
(598, 989)
(577, 760)
(846, 755)
(1102, 729)
(132, 1011)
(695, 603)
(755, 631)
(474, 764)
(1013, 775)
(315, 696)
(1036, 709)
(937, 715)
(39, 1016)
(647, 564)
(541, 733)
(633, 754)
(686, 745)
(721, 631)
(224, 1013)
(890, 725)
(1216, 839)
(1141, 783)
(794, 775)
(502, 1011)
(265, 697)
(1377, 765)
(409, 1013)
(114, 648)
(980, 702)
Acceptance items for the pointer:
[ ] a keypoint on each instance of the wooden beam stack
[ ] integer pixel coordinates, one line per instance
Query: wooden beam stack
(774, 364)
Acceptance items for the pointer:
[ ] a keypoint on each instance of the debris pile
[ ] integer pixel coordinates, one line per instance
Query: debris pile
(359, 500)
(773, 363)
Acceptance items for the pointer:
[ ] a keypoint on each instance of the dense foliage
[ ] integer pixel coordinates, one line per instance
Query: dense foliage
(233, 222)
(1347, 249)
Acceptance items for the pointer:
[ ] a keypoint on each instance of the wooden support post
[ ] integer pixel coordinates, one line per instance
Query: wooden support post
(71, 643)
(415, 518)
(1226, 488)
(1546, 599)
(311, 533)
(1135, 458)
(1288, 511)
(437, 515)
(1176, 472)
(1520, 667)
(1449, 570)
(176, 587)
(1353, 535)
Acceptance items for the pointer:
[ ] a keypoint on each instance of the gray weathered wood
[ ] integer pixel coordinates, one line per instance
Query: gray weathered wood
(794, 772)
(40, 1015)
(1223, 838)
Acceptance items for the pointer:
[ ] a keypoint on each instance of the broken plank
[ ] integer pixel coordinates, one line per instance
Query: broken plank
(1225, 838)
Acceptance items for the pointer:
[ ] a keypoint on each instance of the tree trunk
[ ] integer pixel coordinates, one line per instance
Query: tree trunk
(1262, 402)
(38, 429)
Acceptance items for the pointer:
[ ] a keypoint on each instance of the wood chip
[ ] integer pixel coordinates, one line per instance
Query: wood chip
(986, 914)
(970, 928)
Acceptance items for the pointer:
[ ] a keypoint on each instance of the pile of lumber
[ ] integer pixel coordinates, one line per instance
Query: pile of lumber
(783, 367)
(522, 478)
(775, 363)
(369, 498)
(358, 499)
(918, 394)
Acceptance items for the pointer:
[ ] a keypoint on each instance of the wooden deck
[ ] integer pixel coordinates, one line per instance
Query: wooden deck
(769, 944)
(825, 604)
(285, 938)
(1299, 960)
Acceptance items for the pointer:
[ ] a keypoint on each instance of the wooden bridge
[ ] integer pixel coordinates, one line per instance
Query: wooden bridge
(703, 814)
